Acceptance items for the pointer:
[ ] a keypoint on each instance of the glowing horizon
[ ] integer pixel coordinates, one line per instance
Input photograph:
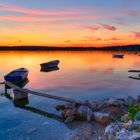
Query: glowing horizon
(69, 23)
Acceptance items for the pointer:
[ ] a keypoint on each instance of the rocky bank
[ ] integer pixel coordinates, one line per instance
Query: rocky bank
(109, 119)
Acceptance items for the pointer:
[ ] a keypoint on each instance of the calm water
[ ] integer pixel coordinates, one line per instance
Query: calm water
(81, 75)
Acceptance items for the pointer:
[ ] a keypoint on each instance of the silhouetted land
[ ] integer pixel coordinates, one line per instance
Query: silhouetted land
(50, 48)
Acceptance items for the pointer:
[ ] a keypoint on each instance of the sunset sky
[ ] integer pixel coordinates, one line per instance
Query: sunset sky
(69, 22)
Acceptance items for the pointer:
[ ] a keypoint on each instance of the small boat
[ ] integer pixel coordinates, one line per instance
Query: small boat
(50, 64)
(17, 75)
(118, 55)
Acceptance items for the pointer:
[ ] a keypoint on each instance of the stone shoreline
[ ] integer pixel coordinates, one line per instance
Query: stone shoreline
(111, 118)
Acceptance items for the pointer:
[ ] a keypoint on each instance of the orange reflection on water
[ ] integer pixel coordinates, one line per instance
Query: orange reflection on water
(76, 68)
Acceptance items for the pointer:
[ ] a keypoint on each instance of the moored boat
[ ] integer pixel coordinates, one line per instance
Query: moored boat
(50, 64)
(118, 55)
(17, 75)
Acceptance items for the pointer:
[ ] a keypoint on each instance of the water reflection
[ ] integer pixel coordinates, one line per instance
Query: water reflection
(49, 69)
(20, 84)
(83, 75)
(24, 104)
(135, 78)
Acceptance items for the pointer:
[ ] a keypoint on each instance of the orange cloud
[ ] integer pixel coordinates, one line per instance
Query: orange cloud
(35, 12)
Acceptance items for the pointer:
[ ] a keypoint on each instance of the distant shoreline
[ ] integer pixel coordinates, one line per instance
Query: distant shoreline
(51, 48)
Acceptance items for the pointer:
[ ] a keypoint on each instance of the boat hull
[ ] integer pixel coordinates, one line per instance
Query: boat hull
(17, 75)
(118, 55)
(50, 64)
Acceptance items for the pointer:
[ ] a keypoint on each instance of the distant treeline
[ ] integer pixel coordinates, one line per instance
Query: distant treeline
(50, 48)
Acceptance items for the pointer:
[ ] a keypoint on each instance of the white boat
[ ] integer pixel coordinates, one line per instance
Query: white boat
(50, 64)
(118, 55)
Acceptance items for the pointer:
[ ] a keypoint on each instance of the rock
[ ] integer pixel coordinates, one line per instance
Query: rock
(130, 100)
(101, 105)
(122, 135)
(70, 105)
(69, 112)
(93, 106)
(82, 111)
(121, 99)
(114, 132)
(137, 117)
(102, 118)
(126, 118)
(89, 114)
(134, 136)
(60, 107)
(130, 125)
(69, 119)
(111, 130)
(138, 129)
(127, 125)
(113, 111)
(113, 102)
(138, 99)
(31, 130)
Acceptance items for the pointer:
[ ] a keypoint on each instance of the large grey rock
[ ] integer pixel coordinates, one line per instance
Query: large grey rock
(102, 118)
(130, 100)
